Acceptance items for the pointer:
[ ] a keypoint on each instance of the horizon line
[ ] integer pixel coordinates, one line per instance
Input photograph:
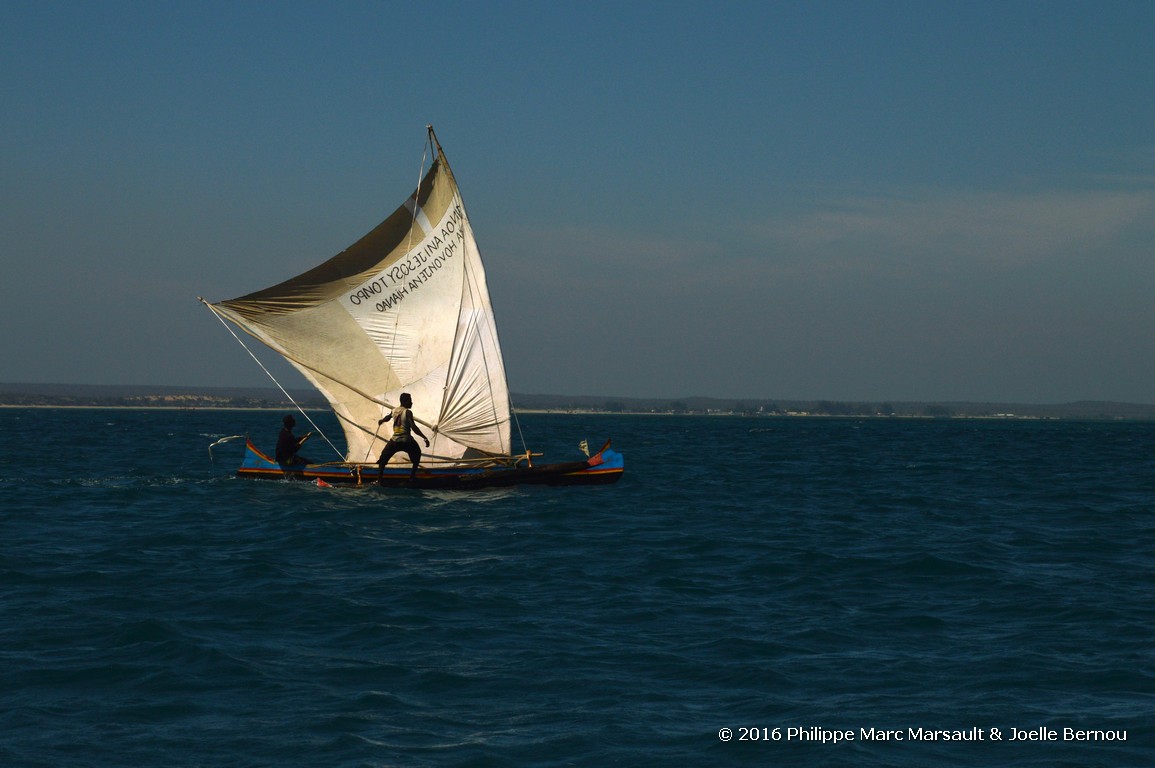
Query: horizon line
(664, 398)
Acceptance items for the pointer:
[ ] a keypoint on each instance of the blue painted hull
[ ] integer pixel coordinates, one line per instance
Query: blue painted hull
(606, 466)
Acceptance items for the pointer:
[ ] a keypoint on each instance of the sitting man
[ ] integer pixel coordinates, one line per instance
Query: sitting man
(288, 444)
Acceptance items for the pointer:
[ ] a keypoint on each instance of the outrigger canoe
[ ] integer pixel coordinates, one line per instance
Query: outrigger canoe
(605, 466)
(403, 311)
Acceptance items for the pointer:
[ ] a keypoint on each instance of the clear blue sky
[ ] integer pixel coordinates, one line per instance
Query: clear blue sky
(835, 200)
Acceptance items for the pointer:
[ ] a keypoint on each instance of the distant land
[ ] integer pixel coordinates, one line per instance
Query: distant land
(143, 396)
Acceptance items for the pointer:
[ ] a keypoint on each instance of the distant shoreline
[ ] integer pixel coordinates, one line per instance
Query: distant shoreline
(111, 407)
(594, 412)
(172, 398)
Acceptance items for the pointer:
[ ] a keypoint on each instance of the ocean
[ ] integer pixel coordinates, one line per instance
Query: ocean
(754, 591)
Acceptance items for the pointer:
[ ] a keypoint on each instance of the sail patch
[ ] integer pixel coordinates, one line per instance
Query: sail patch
(419, 214)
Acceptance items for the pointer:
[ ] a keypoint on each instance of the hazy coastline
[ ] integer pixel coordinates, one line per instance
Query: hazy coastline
(17, 395)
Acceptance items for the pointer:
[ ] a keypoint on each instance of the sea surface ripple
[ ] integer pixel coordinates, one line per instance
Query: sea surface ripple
(748, 574)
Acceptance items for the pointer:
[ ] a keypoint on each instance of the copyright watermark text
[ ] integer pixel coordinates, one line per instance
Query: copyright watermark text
(820, 735)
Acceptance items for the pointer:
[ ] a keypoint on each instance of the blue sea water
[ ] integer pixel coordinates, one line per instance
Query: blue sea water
(810, 579)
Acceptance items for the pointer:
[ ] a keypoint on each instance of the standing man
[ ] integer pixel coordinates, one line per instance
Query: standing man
(402, 441)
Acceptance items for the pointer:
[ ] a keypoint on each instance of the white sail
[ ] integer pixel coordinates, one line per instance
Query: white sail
(404, 309)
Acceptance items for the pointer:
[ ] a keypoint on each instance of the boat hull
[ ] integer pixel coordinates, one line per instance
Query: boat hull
(604, 467)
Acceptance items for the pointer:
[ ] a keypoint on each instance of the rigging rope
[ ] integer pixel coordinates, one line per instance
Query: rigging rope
(273, 378)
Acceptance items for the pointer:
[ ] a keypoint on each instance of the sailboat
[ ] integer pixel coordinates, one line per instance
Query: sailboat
(405, 309)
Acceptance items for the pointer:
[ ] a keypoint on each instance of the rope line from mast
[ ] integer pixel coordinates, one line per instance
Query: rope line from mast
(273, 378)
